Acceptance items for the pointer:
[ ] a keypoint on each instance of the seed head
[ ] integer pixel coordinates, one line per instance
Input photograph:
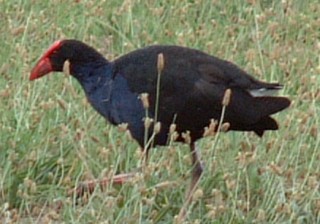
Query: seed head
(173, 128)
(62, 104)
(261, 216)
(123, 127)
(174, 136)
(312, 182)
(66, 67)
(212, 213)
(225, 127)
(160, 63)
(186, 137)
(145, 100)
(147, 122)
(226, 97)
(198, 194)
(275, 169)
(217, 196)
(166, 185)
(211, 129)
(157, 127)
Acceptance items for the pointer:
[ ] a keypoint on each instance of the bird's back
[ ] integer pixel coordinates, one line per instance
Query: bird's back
(192, 87)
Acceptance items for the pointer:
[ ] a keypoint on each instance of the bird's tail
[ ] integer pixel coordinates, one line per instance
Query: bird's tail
(268, 105)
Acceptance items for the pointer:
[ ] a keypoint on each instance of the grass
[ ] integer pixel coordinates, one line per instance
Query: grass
(51, 139)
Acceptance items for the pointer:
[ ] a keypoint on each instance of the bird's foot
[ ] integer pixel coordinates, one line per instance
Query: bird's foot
(88, 187)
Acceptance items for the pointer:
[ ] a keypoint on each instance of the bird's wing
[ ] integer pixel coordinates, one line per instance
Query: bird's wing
(193, 81)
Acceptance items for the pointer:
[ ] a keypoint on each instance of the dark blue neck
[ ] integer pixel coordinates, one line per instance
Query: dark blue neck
(96, 80)
(88, 72)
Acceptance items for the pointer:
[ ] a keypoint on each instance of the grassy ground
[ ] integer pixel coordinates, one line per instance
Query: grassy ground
(51, 139)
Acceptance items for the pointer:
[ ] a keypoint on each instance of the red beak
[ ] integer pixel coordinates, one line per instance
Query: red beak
(42, 68)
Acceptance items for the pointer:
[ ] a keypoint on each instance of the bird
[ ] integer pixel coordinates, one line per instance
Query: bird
(185, 89)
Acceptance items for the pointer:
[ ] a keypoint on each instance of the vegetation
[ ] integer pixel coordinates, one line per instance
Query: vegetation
(51, 139)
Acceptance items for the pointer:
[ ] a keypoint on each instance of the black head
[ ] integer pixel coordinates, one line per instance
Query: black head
(76, 52)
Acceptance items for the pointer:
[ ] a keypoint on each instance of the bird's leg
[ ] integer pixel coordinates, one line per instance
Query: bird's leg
(196, 174)
(144, 157)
